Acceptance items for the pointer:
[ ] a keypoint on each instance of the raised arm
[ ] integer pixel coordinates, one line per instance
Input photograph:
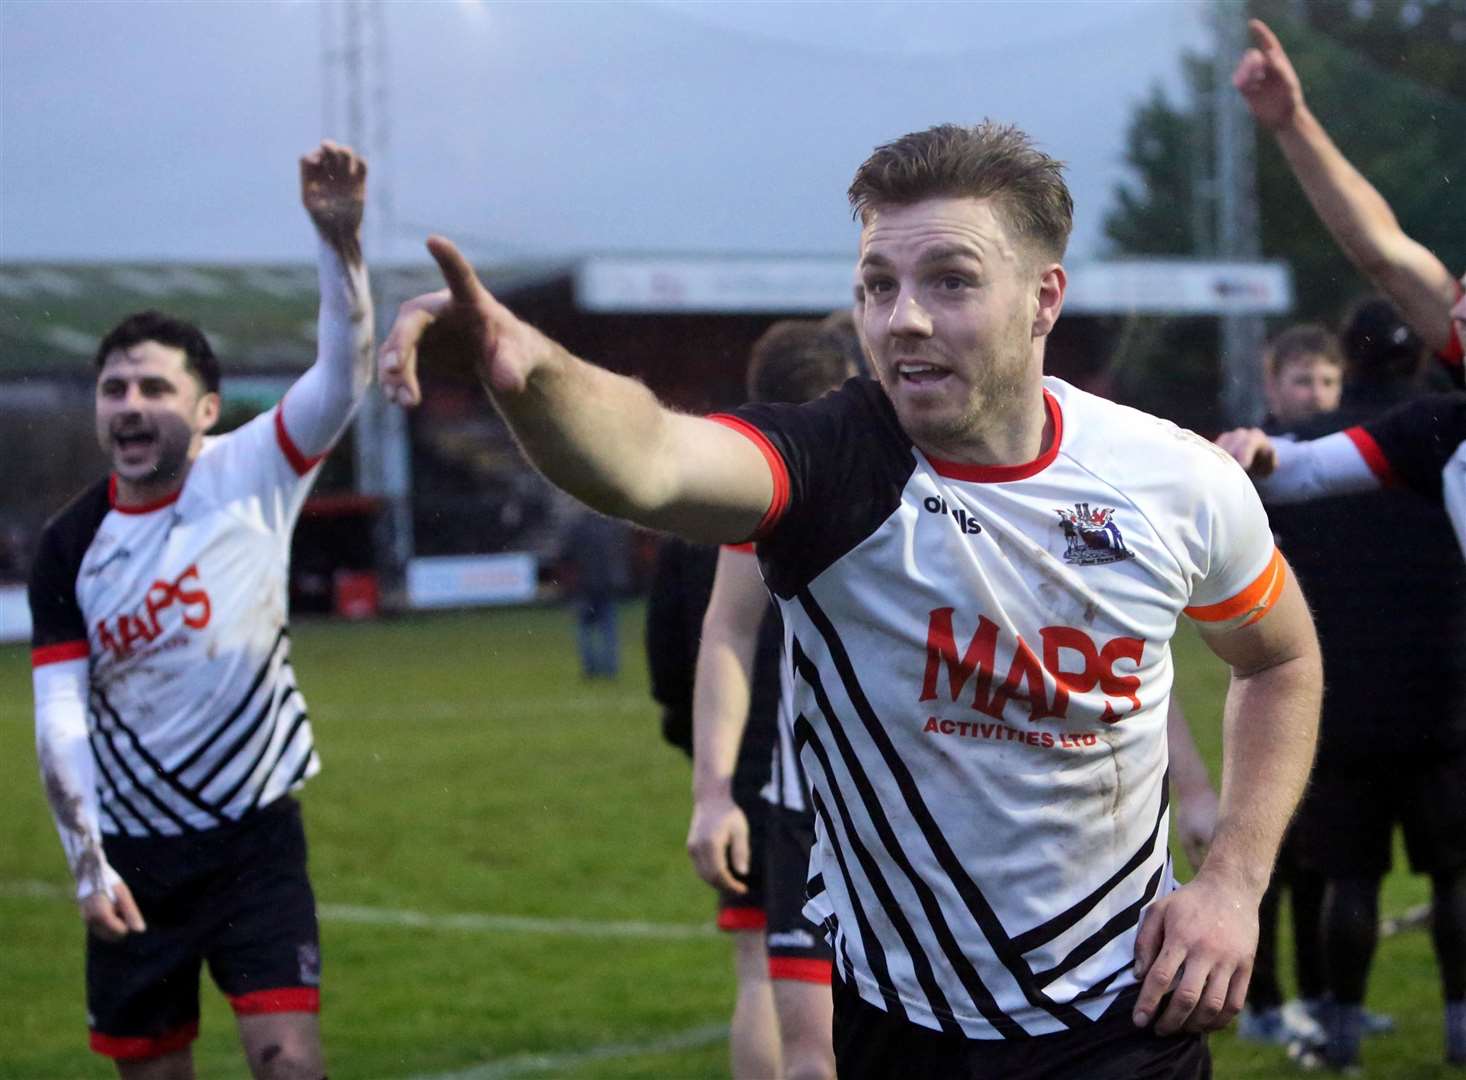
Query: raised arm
(602, 437)
(1198, 943)
(717, 839)
(320, 404)
(1357, 216)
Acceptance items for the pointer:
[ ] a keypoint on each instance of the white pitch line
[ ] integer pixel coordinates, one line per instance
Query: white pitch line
(529, 1064)
(472, 922)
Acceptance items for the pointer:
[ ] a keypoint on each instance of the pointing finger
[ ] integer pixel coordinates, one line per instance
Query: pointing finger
(462, 282)
(1263, 37)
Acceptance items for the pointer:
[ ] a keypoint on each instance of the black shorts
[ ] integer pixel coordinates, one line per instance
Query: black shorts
(236, 896)
(871, 1044)
(745, 911)
(797, 948)
(1346, 825)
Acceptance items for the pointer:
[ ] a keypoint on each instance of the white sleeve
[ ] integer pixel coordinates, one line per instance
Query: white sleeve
(319, 406)
(68, 772)
(1317, 468)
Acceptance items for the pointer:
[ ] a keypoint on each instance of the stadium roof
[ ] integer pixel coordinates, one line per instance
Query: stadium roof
(258, 317)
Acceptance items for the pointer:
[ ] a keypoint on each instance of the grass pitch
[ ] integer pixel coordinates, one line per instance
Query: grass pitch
(497, 848)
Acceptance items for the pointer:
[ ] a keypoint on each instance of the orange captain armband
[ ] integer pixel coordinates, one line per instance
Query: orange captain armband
(1253, 602)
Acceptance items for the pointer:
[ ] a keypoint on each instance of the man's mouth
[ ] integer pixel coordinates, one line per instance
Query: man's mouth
(134, 440)
(914, 371)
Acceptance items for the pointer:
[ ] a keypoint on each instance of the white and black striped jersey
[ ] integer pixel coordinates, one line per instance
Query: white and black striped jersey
(981, 665)
(179, 609)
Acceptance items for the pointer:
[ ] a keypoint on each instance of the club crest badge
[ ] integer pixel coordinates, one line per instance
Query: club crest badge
(1092, 535)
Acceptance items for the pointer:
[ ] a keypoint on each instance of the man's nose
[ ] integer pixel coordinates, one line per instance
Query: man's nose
(909, 318)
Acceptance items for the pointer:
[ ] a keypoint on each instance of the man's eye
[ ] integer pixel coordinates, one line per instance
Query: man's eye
(951, 282)
(877, 286)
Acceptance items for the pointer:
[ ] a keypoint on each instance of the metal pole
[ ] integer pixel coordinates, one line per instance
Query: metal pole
(1242, 336)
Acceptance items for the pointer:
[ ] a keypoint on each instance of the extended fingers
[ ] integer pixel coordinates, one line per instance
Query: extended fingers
(1263, 37)
(462, 282)
(127, 908)
(397, 360)
(1159, 978)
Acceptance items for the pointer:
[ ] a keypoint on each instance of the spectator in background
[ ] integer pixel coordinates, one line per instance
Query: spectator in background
(1392, 744)
(1303, 377)
(1360, 220)
(595, 555)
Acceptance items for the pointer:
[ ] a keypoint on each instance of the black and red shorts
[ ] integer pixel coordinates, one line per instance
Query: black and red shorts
(235, 897)
(872, 1044)
(796, 946)
(745, 911)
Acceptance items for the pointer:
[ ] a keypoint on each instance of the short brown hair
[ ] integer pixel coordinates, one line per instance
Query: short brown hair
(1296, 342)
(989, 160)
(796, 360)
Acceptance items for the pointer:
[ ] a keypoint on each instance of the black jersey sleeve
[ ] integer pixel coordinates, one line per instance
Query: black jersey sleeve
(1418, 438)
(58, 627)
(846, 461)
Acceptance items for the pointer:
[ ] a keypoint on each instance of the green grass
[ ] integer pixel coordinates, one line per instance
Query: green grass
(468, 769)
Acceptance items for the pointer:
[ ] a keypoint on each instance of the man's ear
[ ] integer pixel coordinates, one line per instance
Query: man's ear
(1050, 299)
(207, 411)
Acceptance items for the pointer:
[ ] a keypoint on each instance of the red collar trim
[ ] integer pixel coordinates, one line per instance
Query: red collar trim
(146, 508)
(1002, 474)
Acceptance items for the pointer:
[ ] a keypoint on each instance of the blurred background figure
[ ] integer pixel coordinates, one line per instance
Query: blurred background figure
(595, 559)
(1392, 743)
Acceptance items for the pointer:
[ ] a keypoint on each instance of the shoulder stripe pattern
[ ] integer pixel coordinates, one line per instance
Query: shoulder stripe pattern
(298, 461)
(1373, 456)
(972, 898)
(778, 471)
(55, 654)
(1253, 602)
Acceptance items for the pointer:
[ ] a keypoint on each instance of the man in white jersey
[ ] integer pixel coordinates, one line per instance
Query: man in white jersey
(168, 724)
(1356, 215)
(979, 572)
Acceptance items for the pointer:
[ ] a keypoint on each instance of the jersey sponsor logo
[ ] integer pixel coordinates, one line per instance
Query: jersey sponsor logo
(995, 732)
(966, 523)
(127, 631)
(1093, 535)
(1072, 662)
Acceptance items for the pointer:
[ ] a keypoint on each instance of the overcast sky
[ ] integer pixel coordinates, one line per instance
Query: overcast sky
(170, 130)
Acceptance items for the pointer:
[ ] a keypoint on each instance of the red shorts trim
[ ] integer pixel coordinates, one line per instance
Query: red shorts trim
(55, 654)
(801, 969)
(742, 918)
(286, 999)
(141, 1047)
(298, 461)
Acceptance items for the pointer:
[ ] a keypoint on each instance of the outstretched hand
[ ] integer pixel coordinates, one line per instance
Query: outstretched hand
(333, 191)
(1251, 449)
(1266, 80)
(462, 324)
(1197, 944)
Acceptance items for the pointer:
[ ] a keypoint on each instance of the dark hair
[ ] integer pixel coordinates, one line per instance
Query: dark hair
(796, 361)
(987, 161)
(1296, 342)
(142, 326)
(840, 326)
(1379, 343)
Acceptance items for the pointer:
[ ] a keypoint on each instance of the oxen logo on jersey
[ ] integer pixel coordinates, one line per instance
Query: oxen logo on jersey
(1092, 535)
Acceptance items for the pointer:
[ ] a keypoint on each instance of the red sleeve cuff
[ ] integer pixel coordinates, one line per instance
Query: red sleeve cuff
(298, 461)
(1373, 456)
(778, 471)
(55, 654)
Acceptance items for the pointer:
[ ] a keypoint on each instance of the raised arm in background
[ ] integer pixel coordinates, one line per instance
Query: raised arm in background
(1355, 213)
